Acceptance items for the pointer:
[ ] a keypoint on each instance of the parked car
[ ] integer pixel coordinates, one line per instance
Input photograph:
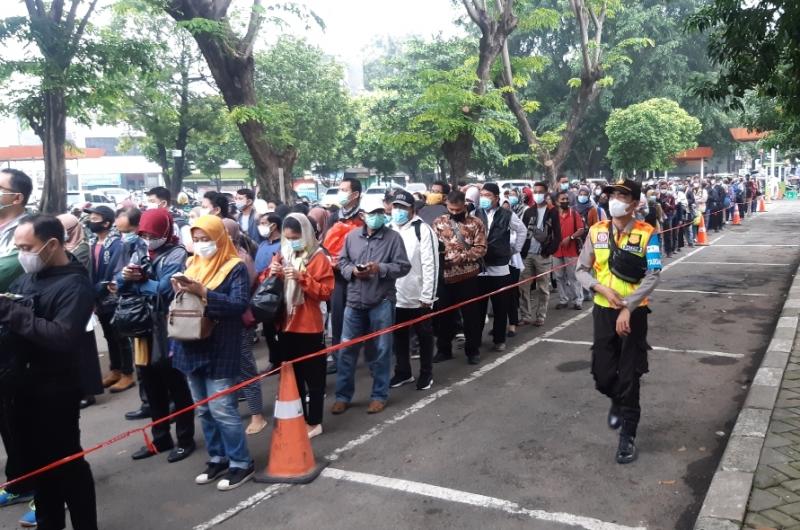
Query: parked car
(79, 198)
(116, 194)
(414, 187)
(520, 183)
(330, 197)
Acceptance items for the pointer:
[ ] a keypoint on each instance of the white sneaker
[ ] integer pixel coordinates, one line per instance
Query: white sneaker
(314, 431)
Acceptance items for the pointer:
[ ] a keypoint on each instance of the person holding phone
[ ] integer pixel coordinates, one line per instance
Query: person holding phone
(149, 274)
(217, 275)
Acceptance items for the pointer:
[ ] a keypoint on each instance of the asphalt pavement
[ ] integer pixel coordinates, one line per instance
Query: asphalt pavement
(517, 442)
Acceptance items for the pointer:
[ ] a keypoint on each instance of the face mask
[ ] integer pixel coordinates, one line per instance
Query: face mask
(298, 245)
(513, 201)
(240, 205)
(130, 237)
(434, 198)
(565, 186)
(155, 244)
(205, 249)
(96, 227)
(205, 211)
(343, 198)
(375, 220)
(387, 218)
(583, 199)
(32, 262)
(538, 198)
(485, 203)
(564, 205)
(399, 216)
(651, 200)
(458, 217)
(264, 230)
(617, 208)
(598, 191)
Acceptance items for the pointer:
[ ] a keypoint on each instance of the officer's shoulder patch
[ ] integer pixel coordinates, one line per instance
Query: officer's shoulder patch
(634, 239)
(602, 237)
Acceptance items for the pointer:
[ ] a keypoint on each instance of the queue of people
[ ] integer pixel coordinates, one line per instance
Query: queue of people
(360, 268)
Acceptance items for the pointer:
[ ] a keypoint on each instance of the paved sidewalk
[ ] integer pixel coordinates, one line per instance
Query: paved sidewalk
(775, 498)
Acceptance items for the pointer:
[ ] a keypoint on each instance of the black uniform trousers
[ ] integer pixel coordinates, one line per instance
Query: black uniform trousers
(402, 337)
(452, 294)
(165, 384)
(501, 303)
(619, 362)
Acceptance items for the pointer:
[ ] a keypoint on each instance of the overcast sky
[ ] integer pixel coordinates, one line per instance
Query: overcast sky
(350, 27)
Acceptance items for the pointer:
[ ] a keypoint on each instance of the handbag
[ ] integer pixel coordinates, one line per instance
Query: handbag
(187, 320)
(267, 303)
(625, 265)
(133, 316)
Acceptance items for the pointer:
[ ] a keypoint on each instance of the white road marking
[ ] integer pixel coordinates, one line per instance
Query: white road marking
(668, 266)
(754, 245)
(707, 292)
(753, 263)
(419, 405)
(249, 502)
(472, 499)
(424, 402)
(657, 348)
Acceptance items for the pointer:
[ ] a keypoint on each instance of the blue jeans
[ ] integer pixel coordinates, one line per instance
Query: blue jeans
(358, 322)
(220, 420)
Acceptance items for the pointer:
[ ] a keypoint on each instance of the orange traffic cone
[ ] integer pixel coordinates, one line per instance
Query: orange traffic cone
(702, 238)
(762, 208)
(291, 459)
(736, 219)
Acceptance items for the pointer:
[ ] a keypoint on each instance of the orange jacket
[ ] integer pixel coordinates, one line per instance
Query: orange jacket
(334, 238)
(317, 285)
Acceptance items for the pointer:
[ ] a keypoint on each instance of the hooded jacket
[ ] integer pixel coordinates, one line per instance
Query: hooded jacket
(422, 249)
(48, 327)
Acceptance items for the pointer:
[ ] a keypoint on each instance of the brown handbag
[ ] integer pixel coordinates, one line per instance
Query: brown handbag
(186, 320)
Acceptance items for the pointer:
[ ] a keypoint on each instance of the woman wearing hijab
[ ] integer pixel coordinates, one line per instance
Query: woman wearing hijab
(75, 242)
(321, 217)
(252, 392)
(148, 274)
(218, 276)
(308, 281)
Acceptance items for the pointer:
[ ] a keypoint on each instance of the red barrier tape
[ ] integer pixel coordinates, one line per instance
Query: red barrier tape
(325, 351)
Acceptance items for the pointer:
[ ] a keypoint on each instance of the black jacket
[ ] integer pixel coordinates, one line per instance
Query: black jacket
(551, 226)
(498, 240)
(48, 327)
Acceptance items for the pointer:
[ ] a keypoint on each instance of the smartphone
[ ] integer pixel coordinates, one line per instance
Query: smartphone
(181, 277)
(12, 296)
(361, 268)
(133, 267)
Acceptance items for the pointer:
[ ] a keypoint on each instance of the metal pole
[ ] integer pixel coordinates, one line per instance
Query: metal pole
(281, 185)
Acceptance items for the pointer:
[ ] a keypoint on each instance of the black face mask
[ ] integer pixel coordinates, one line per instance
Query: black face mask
(97, 227)
(458, 217)
(564, 205)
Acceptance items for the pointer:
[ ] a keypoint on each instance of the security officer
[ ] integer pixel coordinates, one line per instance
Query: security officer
(624, 254)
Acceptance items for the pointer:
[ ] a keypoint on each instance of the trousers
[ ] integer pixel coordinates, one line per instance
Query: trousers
(618, 362)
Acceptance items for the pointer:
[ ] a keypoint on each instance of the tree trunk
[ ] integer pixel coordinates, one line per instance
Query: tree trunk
(458, 154)
(54, 194)
(182, 139)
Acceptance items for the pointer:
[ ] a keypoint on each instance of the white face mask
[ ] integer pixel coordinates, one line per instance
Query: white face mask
(264, 230)
(155, 244)
(205, 211)
(617, 208)
(240, 205)
(32, 262)
(205, 249)
(538, 198)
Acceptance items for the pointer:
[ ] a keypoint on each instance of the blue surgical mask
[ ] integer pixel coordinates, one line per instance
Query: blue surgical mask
(130, 237)
(538, 198)
(565, 186)
(513, 201)
(343, 198)
(298, 245)
(485, 203)
(400, 217)
(583, 199)
(375, 220)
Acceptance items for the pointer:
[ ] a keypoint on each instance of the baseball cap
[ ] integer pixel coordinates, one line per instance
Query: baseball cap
(627, 186)
(403, 198)
(103, 211)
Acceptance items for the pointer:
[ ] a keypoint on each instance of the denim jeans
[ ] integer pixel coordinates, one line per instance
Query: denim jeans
(220, 420)
(358, 322)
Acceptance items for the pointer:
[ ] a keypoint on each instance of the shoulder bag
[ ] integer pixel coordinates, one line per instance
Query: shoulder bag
(186, 320)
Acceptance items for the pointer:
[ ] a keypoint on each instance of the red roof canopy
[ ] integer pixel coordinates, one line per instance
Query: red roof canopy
(16, 153)
(742, 134)
(695, 154)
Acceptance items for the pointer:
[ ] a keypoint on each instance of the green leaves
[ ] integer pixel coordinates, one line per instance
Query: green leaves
(648, 135)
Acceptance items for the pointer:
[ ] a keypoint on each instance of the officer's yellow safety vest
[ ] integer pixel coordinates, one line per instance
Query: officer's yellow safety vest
(636, 243)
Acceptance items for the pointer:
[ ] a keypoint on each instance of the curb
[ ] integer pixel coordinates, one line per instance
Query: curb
(725, 504)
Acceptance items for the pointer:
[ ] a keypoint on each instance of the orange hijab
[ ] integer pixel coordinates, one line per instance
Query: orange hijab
(213, 271)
